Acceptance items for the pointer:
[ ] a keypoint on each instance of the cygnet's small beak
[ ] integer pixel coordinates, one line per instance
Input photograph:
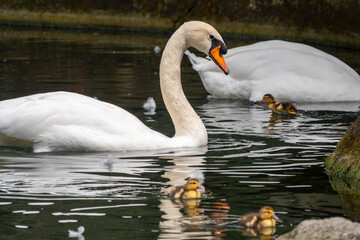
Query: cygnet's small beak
(275, 217)
(216, 54)
(200, 187)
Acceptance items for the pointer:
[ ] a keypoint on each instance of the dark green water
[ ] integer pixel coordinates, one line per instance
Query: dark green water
(253, 158)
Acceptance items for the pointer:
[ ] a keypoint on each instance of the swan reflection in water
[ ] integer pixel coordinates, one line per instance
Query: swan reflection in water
(187, 219)
(173, 219)
(189, 214)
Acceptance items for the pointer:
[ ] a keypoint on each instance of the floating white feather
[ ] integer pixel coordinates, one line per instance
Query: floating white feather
(108, 162)
(199, 175)
(78, 233)
(150, 106)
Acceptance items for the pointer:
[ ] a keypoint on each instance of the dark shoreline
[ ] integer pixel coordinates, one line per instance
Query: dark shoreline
(132, 23)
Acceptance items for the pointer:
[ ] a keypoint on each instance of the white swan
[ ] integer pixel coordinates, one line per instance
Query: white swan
(289, 71)
(64, 121)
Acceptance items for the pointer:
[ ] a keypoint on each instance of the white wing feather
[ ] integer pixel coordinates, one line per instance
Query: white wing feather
(68, 121)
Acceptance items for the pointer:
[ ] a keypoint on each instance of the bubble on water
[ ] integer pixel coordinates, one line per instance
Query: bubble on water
(157, 49)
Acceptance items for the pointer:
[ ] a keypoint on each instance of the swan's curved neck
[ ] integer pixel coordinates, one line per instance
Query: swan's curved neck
(186, 121)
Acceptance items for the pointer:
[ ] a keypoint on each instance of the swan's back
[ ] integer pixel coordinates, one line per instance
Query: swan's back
(59, 121)
(290, 54)
(289, 71)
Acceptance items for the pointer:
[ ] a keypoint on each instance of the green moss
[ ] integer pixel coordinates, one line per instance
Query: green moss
(92, 20)
(349, 194)
(344, 162)
(343, 169)
(136, 22)
(346, 168)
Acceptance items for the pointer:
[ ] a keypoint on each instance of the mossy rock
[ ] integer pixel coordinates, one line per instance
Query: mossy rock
(349, 195)
(344, 162)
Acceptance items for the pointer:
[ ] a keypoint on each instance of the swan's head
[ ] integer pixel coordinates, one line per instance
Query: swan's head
(206, 39)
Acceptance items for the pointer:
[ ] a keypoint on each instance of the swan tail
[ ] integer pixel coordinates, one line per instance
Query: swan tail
(195, 61)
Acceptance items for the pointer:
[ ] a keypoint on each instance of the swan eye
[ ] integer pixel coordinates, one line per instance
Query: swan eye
(211, 37)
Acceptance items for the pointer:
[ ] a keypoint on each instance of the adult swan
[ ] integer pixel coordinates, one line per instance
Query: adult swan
(64, 121)
(288, 71)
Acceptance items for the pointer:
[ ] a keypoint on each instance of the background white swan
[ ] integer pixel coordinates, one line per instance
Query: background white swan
(289, 71)
(60, 121)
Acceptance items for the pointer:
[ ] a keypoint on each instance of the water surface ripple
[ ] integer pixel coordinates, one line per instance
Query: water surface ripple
(253, 158)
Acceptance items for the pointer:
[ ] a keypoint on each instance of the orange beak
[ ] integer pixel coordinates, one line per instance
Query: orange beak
(216, 55)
